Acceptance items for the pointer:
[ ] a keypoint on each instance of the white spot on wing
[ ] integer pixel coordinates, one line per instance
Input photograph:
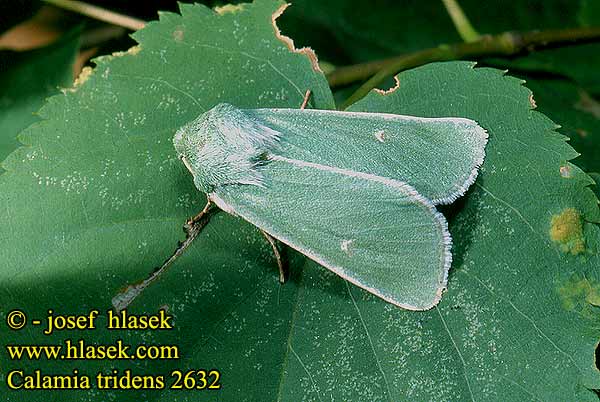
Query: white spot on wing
(345, 246)
(380, 136)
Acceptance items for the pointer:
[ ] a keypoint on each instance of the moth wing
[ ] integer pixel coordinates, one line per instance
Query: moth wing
(439, 157)
(377, 233)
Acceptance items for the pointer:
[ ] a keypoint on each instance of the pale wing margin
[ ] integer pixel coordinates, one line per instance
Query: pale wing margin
(375, 232)
(439, 157)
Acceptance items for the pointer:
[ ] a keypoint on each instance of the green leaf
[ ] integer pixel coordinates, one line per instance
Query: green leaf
(97, 198)
(31, 77)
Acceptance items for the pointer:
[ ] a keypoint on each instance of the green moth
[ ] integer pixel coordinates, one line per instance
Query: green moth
(355, 192)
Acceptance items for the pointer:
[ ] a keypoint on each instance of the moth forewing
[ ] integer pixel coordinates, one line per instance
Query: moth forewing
(440, 157)
(353, 191)
(377, 233)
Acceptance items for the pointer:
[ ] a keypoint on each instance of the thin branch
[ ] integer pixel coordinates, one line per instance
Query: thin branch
(461, 22)
(504, 44)
(98, 36)
(192, 229)
(99, 13)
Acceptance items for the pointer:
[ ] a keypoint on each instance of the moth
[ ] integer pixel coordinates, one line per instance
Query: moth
(355, 192)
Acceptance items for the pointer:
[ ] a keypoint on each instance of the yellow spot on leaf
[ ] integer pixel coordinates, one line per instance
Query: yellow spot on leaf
(567, 230)
(577, 290)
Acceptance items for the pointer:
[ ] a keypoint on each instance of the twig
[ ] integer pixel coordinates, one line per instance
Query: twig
(504, 44)
(97, 36)
(192, 229)
(99, 13)
(461, 22)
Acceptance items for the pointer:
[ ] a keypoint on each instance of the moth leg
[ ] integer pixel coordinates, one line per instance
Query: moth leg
(198, 217)
(306, 99)
(278, 257)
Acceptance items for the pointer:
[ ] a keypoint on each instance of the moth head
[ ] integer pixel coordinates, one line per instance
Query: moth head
(224, 146)
(190, 140)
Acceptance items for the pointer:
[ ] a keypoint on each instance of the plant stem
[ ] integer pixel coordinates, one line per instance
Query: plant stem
(504, 44)
(99, 13)
(461, 22)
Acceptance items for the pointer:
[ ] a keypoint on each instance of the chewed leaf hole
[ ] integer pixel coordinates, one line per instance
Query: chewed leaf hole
(389, 86)
(308, 52)
(532, 101)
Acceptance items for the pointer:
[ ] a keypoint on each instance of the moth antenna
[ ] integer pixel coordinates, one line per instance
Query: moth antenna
(306, 99)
